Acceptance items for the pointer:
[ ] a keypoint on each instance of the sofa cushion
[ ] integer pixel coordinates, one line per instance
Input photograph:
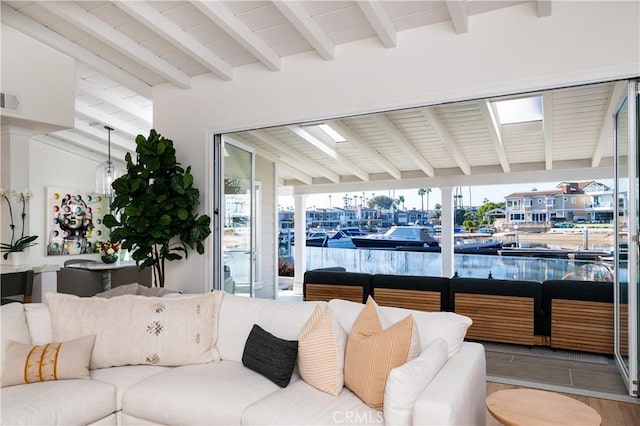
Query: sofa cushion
(270, 356)
(301, 404)
(406, 383)
(321, 346)
(431, 325)
(159, 331)
(238, 315)
(39, 322)
(65, 402)
(13, 326)
(372, 352)
(201, 394)
(123, 377)
(25, 364)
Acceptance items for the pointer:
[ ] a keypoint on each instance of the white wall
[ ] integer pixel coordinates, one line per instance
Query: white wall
(506, 51)
(265, 173)
(42, 78)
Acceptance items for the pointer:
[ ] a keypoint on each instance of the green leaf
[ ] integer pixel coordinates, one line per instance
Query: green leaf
(164, 220)
(183, 214)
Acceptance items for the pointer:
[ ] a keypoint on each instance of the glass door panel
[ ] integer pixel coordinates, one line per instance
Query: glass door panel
(626, 285)
(238, 220)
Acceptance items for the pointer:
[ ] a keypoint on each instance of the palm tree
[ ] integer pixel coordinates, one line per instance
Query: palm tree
(421, 193)
(400, 201)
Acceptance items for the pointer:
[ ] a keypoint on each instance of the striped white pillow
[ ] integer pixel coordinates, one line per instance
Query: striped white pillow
(321, 346)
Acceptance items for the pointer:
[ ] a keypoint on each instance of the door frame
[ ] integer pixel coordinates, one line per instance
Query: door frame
(629, 372)
(218, 209)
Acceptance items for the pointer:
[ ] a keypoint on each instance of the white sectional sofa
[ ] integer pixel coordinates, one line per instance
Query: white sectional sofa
(221, 391)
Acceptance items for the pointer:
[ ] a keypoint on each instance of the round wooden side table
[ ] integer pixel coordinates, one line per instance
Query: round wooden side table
(519, 407)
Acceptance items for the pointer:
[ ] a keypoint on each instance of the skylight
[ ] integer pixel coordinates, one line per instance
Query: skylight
(337, 137)
(519, 110)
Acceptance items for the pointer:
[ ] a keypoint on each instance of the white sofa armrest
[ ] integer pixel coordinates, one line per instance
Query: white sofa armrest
(456, 395)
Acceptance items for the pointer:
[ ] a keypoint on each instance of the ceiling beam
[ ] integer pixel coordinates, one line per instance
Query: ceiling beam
(283, 163)
(380, 21)
(71, 148)
(449, 143)
(300, 159)
(495, 131)
(459, 16)
(95, 114)
(310, 30)
(358, 143)
(100, 133)
(108, 98)
(225, 19)
(67, 141)
(543, 8)
(297, 174)
(394, 134)
(44, 35)
(98, 28)
(175, 35)
(606, 129)
(547, 125)
(334, 154)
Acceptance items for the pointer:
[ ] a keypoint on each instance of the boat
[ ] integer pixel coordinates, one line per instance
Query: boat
(397, 236)
(316, 238)
(462, 247)
(339, 239)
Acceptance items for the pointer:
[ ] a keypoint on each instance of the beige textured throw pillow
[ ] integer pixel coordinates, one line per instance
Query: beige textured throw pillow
(372, 352)
(52, 361)
(135, 330)
(321, 346)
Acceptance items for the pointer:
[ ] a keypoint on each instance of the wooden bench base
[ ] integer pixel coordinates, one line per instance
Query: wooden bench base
(586, 326)
(506, 319)
(326, 292)
(409, 299)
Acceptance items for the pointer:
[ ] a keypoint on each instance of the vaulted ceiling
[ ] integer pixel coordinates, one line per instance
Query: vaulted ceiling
(122, 49)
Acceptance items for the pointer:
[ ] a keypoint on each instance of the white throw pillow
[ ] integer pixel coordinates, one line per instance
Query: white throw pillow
(450, 326)
(134, 330)
(39, 322)
(406, 383)
(321, 346)
(14, 326)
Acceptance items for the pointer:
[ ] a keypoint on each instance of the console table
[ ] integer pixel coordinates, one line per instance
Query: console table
(104, 268)
(516, 407)
(44, 278)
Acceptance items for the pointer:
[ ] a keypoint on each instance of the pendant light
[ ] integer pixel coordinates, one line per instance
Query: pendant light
(107, 171)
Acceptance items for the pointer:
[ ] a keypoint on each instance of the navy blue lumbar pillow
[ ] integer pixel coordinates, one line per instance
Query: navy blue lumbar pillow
(270, 356)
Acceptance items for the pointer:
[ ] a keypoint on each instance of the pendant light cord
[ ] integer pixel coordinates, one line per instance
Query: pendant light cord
(109, 129)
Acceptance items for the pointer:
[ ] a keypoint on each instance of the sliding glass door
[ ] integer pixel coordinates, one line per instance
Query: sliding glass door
(626, 295)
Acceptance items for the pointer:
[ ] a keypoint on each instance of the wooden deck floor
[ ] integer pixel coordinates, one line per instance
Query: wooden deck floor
(613, 413)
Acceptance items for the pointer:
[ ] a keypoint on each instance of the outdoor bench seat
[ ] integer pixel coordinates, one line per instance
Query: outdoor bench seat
(323, 285)
(422, 293)
(502, 310)
(578, 315)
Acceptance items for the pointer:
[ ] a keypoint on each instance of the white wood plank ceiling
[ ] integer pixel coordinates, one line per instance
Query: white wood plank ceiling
(122, 49)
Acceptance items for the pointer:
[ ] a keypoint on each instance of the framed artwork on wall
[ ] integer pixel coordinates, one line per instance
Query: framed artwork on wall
(74, 221)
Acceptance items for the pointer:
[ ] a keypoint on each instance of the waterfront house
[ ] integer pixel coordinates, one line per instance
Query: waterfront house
(582, 202)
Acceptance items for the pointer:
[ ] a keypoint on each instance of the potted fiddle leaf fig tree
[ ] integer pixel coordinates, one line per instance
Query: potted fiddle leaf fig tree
(153, 211)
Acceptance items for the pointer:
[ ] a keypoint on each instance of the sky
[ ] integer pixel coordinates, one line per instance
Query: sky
(495, 193)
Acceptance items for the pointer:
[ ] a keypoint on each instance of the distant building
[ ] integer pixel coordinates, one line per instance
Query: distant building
(571, 201)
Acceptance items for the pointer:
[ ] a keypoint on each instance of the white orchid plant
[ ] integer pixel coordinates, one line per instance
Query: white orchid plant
(25, 241)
